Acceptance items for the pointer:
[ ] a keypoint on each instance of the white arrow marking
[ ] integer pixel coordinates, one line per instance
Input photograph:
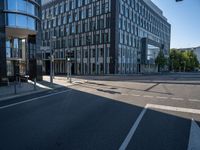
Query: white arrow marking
(194, 140)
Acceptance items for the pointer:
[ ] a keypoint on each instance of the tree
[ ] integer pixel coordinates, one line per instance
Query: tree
(183, 60)
(160, 60)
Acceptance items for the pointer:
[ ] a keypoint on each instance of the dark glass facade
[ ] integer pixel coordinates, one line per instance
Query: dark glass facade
(20, 36)
(107, 36)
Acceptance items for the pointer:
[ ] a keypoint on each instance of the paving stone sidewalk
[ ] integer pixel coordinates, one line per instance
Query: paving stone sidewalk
(26, 88)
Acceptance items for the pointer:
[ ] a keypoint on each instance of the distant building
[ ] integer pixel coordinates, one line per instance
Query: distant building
(196, 50)
(20, 38)
(106, 36)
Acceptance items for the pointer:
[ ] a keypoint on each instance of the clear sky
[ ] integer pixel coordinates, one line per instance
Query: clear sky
(184, 18)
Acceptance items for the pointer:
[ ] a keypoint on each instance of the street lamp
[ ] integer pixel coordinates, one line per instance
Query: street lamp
(51, 60)
(49, 18)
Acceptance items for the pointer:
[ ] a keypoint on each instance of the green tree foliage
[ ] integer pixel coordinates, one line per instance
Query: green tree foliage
(160, 60)
(183, 60)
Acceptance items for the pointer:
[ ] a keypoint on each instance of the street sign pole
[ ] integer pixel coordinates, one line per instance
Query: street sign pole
(67, 70)
(70, 75)
(51, 70)
(69, 59)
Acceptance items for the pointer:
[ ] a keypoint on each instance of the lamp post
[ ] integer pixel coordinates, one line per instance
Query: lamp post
(50, 17)
(51, 60)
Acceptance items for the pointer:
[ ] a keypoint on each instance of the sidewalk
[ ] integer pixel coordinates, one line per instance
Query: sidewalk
(27, 88)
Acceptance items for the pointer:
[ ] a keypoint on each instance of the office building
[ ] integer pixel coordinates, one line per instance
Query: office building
(20, 38)
(106, 36)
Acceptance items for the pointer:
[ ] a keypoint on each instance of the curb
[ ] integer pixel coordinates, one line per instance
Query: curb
(38, 91)
(20, 95)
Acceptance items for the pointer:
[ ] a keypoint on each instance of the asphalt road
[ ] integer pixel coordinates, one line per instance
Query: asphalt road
(104, 115)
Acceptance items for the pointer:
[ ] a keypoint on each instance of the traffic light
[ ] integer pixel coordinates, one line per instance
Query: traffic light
(70, 56)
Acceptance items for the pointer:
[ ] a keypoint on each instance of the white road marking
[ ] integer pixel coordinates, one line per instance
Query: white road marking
(148, 96)
(194, 100)
(33, 99)
(172, 108)
(194, 143)
(132, 130)
(177, 98)
(135, 95)
(163, 107)
(159, 97)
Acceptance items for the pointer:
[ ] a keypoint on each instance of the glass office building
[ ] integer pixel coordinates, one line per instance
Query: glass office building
(20, 38)
(106, 36)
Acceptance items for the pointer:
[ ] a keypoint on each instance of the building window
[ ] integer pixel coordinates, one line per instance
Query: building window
(59, 20)
(11, 20)
(64, 19)
(21, 5)
(21, 21)
(30, 8)
(83, 15)
(8, 49)
(31, 23)
(61, 8)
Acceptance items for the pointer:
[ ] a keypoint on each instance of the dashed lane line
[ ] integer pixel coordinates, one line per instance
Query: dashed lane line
(163, 97)
(135, 95)
(177, 98)
(194, 100)
(148, 96)
(160, 97)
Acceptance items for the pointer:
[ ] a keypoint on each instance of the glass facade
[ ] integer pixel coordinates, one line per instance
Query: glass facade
(82, 27)
(152, 53)
(137, 20)
(15, 50)
(15, 47)
(87, 26)
(20, 39)
(23, 20)
(22, 6)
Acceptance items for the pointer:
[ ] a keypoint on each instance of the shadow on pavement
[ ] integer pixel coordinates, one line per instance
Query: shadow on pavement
(108, 91)
(114, 87)
(77, 120)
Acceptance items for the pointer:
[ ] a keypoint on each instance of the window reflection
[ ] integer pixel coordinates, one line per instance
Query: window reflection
(31, 23)
(11, 20)
(15, 48)
(21, 21)
(8, 49)
(30, 9)
(22, 6)
(11, 4)
(152, 53)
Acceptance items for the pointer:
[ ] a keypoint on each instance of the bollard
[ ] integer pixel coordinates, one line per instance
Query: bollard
(20, 82)
(35, 84)
(70, 73)
(8, 82)
(15, 87)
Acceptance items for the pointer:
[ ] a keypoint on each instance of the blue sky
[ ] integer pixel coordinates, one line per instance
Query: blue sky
(184, 18)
